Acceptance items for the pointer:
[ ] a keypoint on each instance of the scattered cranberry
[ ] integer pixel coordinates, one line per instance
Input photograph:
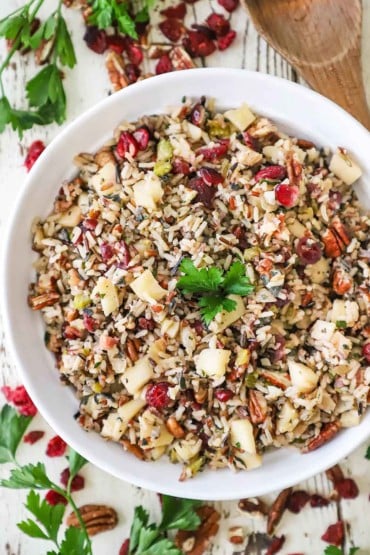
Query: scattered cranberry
(90, 224)
(180, 166)
(34, 151)
(157, 395)
(132, 72)
(56, 447)
(218, 24)
(286, 195)
(20, 399)
(198, 114)
(205, 193)
(318, 501)
(146, 324)
(240, 234)
(347, 488)
(96, 39)
(229, 5)
(213, 153)
(54, 498)
(125, 548)
(334, 534)
(106, 342)
(224, 42)
(335, 200)
(70, 332)
(127, 144)
(198, 326)
(223, 395)
(164, 65)
(33, 436)
(142, 136)
(366, 351)
(275, 545)
(271, 172)
(89, 322)
(124, 255)
(210, 176)
(78, 482)
(297, 500)
(178, 12)
(197, 44)
(172, 29)
(135, 54)
(206, 31)
(117, 43)
(308, 251)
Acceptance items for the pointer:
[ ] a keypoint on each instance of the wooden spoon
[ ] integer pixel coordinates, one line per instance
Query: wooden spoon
(322, 40)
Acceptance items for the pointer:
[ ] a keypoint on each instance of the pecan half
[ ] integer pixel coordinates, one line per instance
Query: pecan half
(303, 143)
(131, 350)
(336, 238)
(104, 157)
(277, 510)
(40, 301)
(97, 518)
(294, 169)
(342, 282)
(175, 428)
(256, 507)
(327, 432)
(276, 378)
(180, 58)
(335, 474)
(115, 66)
(202, 536)
(236, 535)
(134, 449)
(257, 406)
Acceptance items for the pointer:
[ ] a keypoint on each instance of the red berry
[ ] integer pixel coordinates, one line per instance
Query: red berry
(335, 200)
(20, 399)
(54, 498)
(218, 24)
(204, 30)
(213, 153)
(125, 548)
(77, 483)
(135, 54)
(334, 533)
(224, 395)
(172, 29)
(229, 5)
(34, 151)
(157, 395)
(347, 488)
(96, 39)
(146, 324)
(178, 12)
(286, 195)
(198, 114)
(198, 44)
(117, 43)
(133, 72)
(90, 224)
(318, 501)
(56, 447)
(275, 545)
(271, 172)
(33, 436)
(124, 254)
(205, 193)
(210, 176)
(180, 166)
(224, 42)
(127, 145)
(308, 250)
(297, 500)
(106, 251)
(142, 136)
(366, 351)
(89, 322)
(164, 65)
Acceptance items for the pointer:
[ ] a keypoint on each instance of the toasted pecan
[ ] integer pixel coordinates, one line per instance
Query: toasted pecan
(97, 518)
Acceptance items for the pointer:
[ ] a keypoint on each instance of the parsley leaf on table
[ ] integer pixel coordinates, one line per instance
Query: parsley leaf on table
(367, 454)
(334, 550)
(109, 13)
(179, 513)
(74, 543)
(76, 462)
(12, 428)
(28, 476)
(50, 517)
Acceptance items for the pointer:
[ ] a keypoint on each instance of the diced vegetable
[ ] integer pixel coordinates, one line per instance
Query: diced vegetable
(116, 423)
(147, 288)
(250, 461)
(153, 432)
(107, 292)
(212, 362)
(71, 217)
(344, 311)
(240, 117)
(241, 435)
(303, 378)
(193, 131)
(105, 180)
(187, 449)
(322, 331)
(164, 150)
(81, 301)
(224, 319)
(162, 167)
(319, 271)
(288, 418)
(148, 192)
(345, 168)
(137, 376)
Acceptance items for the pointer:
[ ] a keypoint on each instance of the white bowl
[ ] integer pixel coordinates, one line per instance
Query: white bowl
(298, 110)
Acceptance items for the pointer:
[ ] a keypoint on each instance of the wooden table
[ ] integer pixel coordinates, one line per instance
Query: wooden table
(86, 85)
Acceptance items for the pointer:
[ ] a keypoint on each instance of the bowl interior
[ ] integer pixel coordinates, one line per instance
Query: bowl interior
(297, 110)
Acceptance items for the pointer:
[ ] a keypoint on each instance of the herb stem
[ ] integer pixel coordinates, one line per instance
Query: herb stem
(69, 498)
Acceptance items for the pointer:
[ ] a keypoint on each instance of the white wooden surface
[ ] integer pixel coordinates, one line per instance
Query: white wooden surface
(86, 85)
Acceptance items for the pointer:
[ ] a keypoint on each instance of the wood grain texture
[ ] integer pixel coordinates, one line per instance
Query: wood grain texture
(86, 85)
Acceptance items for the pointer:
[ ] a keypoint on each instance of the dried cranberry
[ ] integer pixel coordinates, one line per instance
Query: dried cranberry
(54, 498)
(20, 399)
(211, 153)
(229, 5)
(224, 42)
(125, 548)
(308, 250)
(347, 488)
(135, 54)
(127, 144)
(33, 436)
(205, 193)
(335, 200)
(172, 29)
(142, 136)
(78, 482)
(164, 65)
(204, 30)
(117, 43)
(178, 12)
(297, 500)
(56, 447)
(218, 24)
(96, 39)
(70, 332)
(198, 326)
(334, 533)
(198, 114)
(34, 151)
(146, 324)
(366, 351)
(251, 141)
(124, 255)
(90, 224)
(240, 234)
(210, 176)
(157, 395)
(318, 501)
(180, 166)
(271, 172)
(286, 195)
(224, 395)
(89, 322)
(275, 545)
(198, 44)
(132, 72)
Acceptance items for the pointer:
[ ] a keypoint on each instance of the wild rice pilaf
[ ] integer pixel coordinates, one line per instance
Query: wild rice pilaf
(287, 360)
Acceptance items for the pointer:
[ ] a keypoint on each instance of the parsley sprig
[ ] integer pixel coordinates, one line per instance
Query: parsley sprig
(213, 286)
(113, 13)
(334, 550)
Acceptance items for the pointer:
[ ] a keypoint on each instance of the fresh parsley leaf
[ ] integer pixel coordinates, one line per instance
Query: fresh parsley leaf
(236, 282)
(12, 428)
(140, 520)
(353, 550)
(148, 539)
(204, 280)
(28, 476)
(5, 113)
(142, 16)
(76, 462)
(74, 543)
(161, 547)
(127, 25)
(341, 324)
(333, 550)
(64, 45)
(111, 13)
(50, 517)
(179, 513)
(46, 91)
(211, 305)
(30, 528)
(11, 26)
(367, 454)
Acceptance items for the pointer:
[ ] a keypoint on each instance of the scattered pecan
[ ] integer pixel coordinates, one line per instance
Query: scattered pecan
(134, 449)
(155, 52)
(334, 474)
(327, 432)
(97, 518)
(303, 143)
(202, 536)
(201, 395)
(342, 282)
(236, 535)
(257, 406)
(175, 428)
(256, 507)
(294, 169)
(40, 301)
(276, 378)
(297, 500)
(275, 545)
(131, 350)
(336, 238)
(115, 66)
(103, 157)
(180, 58)
(277, 509)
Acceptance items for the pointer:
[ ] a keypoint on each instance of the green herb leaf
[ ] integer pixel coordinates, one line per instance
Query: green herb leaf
(5, 113)
(38, 88)
(50, 517)
(179, 513)
(236, 282)
(353, 550)
(204, 280)
(30, 528)
(367, 454)
(12, 428)
(161, 547)
(76, 462)
(140, 520)
(10, 26)
(341, 324)
(333, 550)
(64, 45)
(28, 476)
(127, 25)
(111, 13)
(213, 304)
(74, 543)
